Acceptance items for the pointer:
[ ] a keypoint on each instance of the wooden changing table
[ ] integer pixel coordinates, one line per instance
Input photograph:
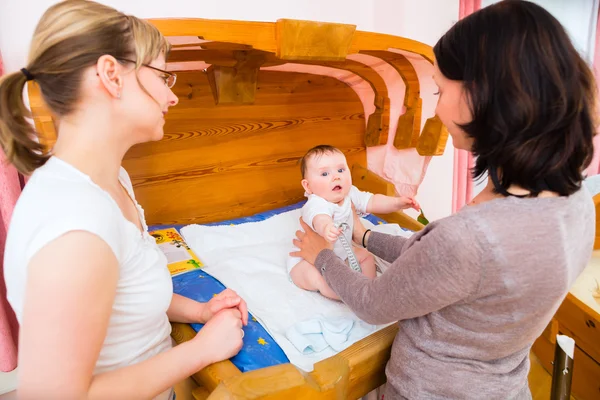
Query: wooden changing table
(253, 98)
(579, 318)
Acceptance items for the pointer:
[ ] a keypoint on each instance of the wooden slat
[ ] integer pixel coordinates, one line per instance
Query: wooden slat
(379, 41)
(433, 138)
(215, 57)
(262, 35)
(212, 45)
(406, 71)
(409, 123)
(236, 84)
(348, 375)
(259, 35)
(311, 40)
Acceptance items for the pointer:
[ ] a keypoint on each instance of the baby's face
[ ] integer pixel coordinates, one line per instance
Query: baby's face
(328, 177)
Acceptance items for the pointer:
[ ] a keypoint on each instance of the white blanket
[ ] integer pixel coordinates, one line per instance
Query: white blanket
(251, 259)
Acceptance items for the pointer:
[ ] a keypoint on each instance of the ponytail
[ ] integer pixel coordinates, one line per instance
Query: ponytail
(18, 138)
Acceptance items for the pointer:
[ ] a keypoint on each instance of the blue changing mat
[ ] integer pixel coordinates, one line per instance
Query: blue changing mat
(259, 350)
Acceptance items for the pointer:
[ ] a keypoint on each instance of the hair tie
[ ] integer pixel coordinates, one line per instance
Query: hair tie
(27, 74)
(364, 237)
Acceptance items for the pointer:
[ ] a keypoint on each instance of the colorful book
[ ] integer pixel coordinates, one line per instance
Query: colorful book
(180, 258)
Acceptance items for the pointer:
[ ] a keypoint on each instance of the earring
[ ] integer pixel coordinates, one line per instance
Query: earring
(118, 95)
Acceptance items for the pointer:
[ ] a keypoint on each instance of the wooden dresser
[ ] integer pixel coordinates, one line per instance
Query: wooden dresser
(579, 318)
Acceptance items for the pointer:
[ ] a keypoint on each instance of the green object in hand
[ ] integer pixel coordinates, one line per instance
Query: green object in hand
(421, 218)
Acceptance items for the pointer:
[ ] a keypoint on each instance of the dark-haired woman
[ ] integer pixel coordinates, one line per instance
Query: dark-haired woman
(473, 291)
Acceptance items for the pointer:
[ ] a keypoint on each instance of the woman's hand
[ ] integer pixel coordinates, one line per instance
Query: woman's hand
(309, 243)
(221, 337)
(224, 300)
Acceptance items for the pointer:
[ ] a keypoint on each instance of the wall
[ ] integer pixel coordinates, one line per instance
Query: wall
(424, 20)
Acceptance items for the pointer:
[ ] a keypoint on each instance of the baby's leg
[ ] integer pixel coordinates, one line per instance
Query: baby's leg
(306, 276)
(366, 261)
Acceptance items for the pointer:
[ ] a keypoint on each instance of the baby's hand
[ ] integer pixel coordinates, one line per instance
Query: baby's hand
(332, 232)
(407, 202)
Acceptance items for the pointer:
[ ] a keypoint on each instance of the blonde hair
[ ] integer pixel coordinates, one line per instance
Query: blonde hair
(70, 37)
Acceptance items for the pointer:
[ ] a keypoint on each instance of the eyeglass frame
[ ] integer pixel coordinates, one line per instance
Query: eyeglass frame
(170, 74)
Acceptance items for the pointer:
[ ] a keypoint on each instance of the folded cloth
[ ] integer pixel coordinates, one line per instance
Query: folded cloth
(316, 335)
(251, 259)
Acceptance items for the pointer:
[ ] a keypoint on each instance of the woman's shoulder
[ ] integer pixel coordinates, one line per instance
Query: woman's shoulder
(57, 199)
(55, 189)
(533, 210)
(517, 221)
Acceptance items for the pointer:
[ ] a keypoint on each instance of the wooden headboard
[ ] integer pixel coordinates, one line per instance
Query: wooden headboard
(232, 144)
(219, 162)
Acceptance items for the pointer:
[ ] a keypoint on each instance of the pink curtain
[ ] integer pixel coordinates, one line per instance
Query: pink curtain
(594, 167)
(10, 188)
(462, 186)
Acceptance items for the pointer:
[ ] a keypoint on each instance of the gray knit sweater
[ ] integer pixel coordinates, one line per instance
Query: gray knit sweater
(472, 292)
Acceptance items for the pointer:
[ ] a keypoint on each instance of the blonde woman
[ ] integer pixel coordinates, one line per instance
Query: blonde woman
(89, 286)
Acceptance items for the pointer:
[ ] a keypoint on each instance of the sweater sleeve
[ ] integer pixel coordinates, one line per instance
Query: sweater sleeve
(387, 247)
(441, 266)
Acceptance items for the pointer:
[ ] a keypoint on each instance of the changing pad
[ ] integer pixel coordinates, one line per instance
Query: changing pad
(250, 258)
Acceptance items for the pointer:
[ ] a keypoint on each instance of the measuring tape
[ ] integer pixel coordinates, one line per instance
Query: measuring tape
(348, 248)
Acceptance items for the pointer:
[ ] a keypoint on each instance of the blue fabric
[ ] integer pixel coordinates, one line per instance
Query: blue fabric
(255, 353)
(200, 286)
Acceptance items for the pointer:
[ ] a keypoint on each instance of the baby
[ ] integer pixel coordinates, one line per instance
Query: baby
(328, 185)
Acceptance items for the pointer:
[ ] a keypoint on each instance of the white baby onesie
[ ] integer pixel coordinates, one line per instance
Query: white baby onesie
(340, 214)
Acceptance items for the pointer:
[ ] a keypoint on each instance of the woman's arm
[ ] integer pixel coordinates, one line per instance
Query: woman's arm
(219, 339)
(387, 247)
(440, 268)
(70, 291)
(185, 310)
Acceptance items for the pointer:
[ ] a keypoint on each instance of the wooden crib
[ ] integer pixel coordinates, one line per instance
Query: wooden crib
(232, 145)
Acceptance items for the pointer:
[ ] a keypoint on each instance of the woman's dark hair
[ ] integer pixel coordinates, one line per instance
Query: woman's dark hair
(531, 95)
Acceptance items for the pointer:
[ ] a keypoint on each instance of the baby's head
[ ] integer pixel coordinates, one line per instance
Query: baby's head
(325, 173)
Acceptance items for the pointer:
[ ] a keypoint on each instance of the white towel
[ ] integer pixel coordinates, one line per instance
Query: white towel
(316, 335)
(251, 259)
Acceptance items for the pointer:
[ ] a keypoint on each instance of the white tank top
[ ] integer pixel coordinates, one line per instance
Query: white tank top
(59, 198)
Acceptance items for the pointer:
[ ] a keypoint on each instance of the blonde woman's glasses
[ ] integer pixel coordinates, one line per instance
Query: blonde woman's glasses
(169, 77)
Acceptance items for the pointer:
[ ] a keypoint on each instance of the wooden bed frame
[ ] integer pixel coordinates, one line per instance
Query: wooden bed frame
(231, 149)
